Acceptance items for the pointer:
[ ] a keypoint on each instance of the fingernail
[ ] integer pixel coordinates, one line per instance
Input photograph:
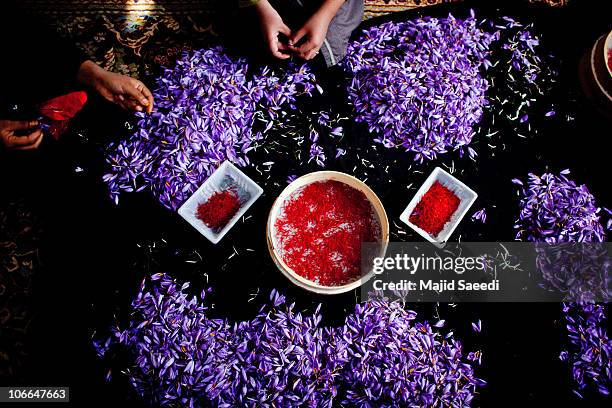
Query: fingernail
(144, 102)
(139, 108)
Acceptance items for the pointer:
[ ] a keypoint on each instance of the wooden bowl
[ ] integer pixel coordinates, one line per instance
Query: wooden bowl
(351, 181)
(607, 46)
(596, 76)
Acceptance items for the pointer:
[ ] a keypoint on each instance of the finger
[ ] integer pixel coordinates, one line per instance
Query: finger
(274, 49)
(304, 51)
(34, 145)
(297, 36)
(20, 124)
(133, 105)
(279, 54)
(283, 29)
(128, 103)
(311, 54)
(108, 95)
(32, 139)
(305, 48)
(119, 100)
(283, 47)
(145, 91)
(133, 92)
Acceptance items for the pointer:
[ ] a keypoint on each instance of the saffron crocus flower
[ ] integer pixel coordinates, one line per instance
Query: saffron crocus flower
(555, 209)
(423, 85)
(417, 83)
(284, 357)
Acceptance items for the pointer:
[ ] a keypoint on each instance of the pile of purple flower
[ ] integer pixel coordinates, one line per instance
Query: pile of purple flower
(285, 358)
(423, 85)
(206, 109)
(280, 358)
(554, 209)
(417, 83)
(393, 361)
(577, 270)
(177, 349)
(590, 348)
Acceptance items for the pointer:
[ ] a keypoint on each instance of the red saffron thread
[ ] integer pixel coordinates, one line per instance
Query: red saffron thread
(219, 209)
(435, 209)
(320, 231)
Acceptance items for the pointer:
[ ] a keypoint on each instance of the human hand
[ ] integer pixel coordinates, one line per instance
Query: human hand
(127, 92)
(11, 141)
(272, 26)
(307, 41)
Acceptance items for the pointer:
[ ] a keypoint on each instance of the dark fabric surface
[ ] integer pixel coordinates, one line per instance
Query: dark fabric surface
(82, 249)
(38, 64)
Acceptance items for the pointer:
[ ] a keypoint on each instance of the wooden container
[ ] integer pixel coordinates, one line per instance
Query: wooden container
(596, 75)
(351, 181)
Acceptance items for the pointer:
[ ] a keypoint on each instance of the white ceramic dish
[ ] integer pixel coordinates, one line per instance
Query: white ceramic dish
(215, 183)
(300, 281)
(466, 195)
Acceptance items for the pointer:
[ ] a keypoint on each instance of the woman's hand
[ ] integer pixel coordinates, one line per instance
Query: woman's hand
(272, 26)
(11, 141)
(307, 41)
(129, 93)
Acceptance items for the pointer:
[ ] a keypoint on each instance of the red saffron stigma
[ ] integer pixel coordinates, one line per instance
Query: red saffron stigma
(219, 209)
(435, 209)
(321, 229)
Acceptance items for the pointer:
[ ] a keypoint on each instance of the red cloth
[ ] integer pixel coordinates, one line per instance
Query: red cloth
(58, 111)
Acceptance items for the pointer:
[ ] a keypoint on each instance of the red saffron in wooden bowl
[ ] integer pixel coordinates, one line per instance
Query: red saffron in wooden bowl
(435, 209)
(320, 231)
(219, 209)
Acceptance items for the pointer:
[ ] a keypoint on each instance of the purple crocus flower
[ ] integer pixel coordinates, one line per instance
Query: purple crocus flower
(480, 215)
(381, 355)
(417, 83)
(555, 209)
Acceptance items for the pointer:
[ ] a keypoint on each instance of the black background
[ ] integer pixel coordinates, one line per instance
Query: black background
(95, 254)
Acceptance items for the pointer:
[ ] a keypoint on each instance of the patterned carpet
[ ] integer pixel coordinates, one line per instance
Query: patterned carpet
(19, 237)
(131, 37)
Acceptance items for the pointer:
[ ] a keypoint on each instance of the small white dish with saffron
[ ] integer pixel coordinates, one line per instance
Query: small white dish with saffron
(226, 179)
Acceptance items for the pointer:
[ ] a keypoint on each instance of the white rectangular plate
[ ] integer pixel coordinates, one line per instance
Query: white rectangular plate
(214, 184)
(466, 195)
